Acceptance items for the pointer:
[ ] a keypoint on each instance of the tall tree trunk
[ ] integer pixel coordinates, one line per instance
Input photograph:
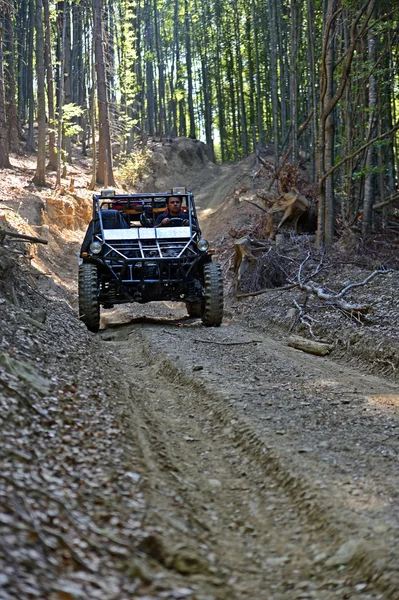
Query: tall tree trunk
(40, 175)
(52, 163)
(139, 89)
(104, 169)
(273, 77)
(189, 71)
(67, 50)
(370, 160)
(21, 35)
(251, 77)
(233, 104)
(30, 146)
(9, 76)
(294, 81)
(4, 152)
(149, 70)
(243, 117)
(161, 81)
(282, 69)
(326, 132)
(329, 98)
(92, 109)
(312, 91)
(206, 78)
(259, 103)
(60, 48)
(219, 95)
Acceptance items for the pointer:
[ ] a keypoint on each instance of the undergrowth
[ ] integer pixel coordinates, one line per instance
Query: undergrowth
(132, 168)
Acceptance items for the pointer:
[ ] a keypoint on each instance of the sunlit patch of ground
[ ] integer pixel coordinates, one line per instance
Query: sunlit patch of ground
(206, 213)
(391, 400)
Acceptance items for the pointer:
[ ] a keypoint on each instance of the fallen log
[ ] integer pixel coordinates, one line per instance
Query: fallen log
(22, 237)
(309, 346)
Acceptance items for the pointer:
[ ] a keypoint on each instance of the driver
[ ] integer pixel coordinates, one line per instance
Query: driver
(173, 211)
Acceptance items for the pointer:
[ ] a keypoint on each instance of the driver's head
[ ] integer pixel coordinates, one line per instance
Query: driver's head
(174, 205)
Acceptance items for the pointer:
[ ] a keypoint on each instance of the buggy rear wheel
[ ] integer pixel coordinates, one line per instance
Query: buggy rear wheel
(89, 306)
(212, 314)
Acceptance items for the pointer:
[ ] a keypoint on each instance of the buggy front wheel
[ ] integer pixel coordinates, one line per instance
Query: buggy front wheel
(89, 306)
(212, 314)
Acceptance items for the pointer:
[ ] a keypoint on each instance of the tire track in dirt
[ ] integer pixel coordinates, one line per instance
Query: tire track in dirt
(234, 505)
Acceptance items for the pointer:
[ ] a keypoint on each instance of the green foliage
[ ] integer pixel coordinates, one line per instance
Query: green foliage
(70, 113)
(133, 167)
(368, 171)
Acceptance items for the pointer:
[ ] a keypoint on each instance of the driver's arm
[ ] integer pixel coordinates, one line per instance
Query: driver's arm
(162, 221)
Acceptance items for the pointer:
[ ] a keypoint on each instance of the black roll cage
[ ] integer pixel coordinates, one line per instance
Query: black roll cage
(127, 254)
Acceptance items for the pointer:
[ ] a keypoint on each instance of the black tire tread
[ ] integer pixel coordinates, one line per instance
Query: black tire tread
(89, 307)
(212, 315)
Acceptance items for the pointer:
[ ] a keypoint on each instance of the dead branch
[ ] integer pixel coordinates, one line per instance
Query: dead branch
(264, 291)
(304, 318)
(336, 300)
(254, 204)
(333, 299)
(364, 282)
(227, 343)
(303, 263)
(393, 198)
(22, 237)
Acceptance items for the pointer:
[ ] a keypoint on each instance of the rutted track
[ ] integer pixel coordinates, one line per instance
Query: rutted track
(253, 505)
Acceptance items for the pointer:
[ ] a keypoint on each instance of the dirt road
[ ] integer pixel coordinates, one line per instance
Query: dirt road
(272, 472)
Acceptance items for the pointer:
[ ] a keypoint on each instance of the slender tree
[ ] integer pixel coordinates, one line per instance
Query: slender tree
(30, 146)
(104, 168)
(370, 160)
(40, 175)
(9, 76)
(189, 70)
(62, 23)
(52, 163)
(4, 151)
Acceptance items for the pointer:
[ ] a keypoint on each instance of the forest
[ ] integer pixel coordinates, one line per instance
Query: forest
(316, 82)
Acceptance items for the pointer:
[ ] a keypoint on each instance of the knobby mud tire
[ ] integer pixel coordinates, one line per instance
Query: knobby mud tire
(194, 309)
(89, 306)
(213, 287)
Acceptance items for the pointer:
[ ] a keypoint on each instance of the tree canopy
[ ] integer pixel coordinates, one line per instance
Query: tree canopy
(315, 80)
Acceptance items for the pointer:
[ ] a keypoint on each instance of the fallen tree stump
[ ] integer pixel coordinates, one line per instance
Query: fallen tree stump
(309, 346)
(242, 258)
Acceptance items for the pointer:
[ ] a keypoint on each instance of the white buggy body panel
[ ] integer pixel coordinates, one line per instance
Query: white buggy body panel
(147, 233)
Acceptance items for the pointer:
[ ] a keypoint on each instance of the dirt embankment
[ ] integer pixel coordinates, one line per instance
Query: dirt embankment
(160, 459)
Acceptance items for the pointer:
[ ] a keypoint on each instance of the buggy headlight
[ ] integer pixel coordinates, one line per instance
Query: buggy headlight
(95, 247)
(202, 245)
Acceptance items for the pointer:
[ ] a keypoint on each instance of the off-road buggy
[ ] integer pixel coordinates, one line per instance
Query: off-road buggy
(125, 258)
